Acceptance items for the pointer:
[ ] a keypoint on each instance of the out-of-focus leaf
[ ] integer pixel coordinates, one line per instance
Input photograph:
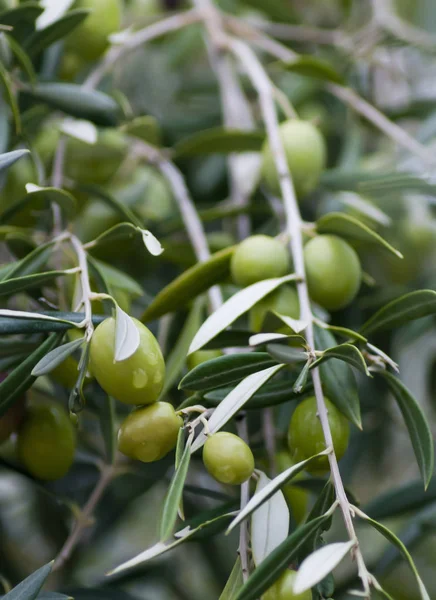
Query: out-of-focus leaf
(402, 500)
(234, 582)
(43, 38)
(219, 140)
(319, 564)
(22, 18)
(189, 285)
(417, 425)
(31, 586)
(223, 370)
(77, 101)
(18, 284)
(350, 228)
(22, 58)
(5, 78)
(107, 417)
(146, 128)
(313, 67)
(414, 305)
(40, 198)
(9, 158)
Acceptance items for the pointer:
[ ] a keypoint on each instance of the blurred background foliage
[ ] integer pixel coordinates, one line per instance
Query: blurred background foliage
(170, 80)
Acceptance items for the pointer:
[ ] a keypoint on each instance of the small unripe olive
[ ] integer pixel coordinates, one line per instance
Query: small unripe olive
(47, 441)
(138, 379)
(333, 271)
(284, 301)
(201, 356)
(306, 438)
(297, 498)
(259, 257)
(305, 154)
(283, 589)
(90, 39)
(149, 433)
(228, 458)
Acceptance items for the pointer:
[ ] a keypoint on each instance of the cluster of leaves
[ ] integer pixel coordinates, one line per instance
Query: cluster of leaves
(108, 204)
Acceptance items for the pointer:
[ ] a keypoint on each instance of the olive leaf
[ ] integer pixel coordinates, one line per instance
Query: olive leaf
(346, 352)
(54, 358)
(152, 243)
(31, 586)
(219, 140)
(54, 31)
(9, 158)
(107, 416)
(234, 582)
(319, 564)
(126, 336)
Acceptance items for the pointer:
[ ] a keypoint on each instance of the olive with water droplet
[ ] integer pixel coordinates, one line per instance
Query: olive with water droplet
(136, 380)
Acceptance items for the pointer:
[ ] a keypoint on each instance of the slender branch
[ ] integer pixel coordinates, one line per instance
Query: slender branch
(85, 517)
(301, 33)
(191, 220)
(136, 40)
(269, 436)
(385, 15)
(242, 429)
(265, 91)
(84, 281)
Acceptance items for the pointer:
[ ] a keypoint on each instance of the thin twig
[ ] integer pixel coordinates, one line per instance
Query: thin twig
(191, 220)
(241, 425)
(138, 39)
(85, 517)
(265, 91)
(84, 281)
(269, 436)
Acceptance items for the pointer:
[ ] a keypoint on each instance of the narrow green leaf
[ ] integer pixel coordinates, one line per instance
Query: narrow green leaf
(351, 228)
(287, 354)
(116, 278)
(107, 416)
(392, 538)
(313, 67)
(76, 400)
(77, 101)
(31, 586)
(43, 38)
(121, 231)
(226, 369)
(5, 78)
(234, 582)
(409, 307)
(53, 596)
(22, 58)
(9, 158)
(40, 199)
(31, 263)
(180, 447)
(407, 498)
(54, 358)
(174, 494)
(417, 425)
(58, 321)
(219, 140)
(320, 564)
(190, 284)
(177, 357)
(301, 381)
(346, 352)
(338, 379)
(22, 18)
(123, 210)
(12, 286)
(230, 338)
(21, 378)
(343, 331)
(278, 561)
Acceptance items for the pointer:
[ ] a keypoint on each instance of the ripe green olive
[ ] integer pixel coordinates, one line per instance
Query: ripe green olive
(138, 379)
(297, 498)
(228, 458)
(201, 356)
(333, 271)
(258, 257)
(47, 441)
(305, 153)
(284, 301)
(305, 436)
(10, 421)
(90, 39)
(149, 433)
(283, 589)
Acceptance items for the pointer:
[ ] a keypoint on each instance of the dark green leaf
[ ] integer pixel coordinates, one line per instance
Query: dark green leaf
(223, 370)
(53, 596)
(5, 78)
(346, 352)
(401, 310)
(313, 67)
(343, 331)
(107, 416)
(417, 425)
(31, 263)
(301, 381)
(338, 380)
(12, 286)
(77, 101)
(8, 158)
(286, 354)
(118, 207)
(219, 140)
(20, 379)
(278, 560)
(116, 278)
(352, 229)
(174, 495)
(22, 18)
(190, 284)
(13, 325)
(230, 338)
(54, 358)
(407, 498)
(375, 182)
(31, 586)
(22, 58)
(234, 582)
(43, 38)
(39, 200)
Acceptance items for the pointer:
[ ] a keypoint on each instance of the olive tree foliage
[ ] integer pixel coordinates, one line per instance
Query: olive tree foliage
(130, 172)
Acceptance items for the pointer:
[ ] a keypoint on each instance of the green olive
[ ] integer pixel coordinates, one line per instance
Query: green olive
(66, 373)
(10, 421)
(305, 153)
(71, 64)
(259, 257)
(283, 301)
(283, 589)
(333, 271)
(296, 497)
(228, 458)
(90, 39)
(47, 441)
(306, 438)
(149, 433)
(201, 356)
(138, 379)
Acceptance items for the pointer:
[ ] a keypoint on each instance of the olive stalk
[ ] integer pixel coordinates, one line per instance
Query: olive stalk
(242, 429)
